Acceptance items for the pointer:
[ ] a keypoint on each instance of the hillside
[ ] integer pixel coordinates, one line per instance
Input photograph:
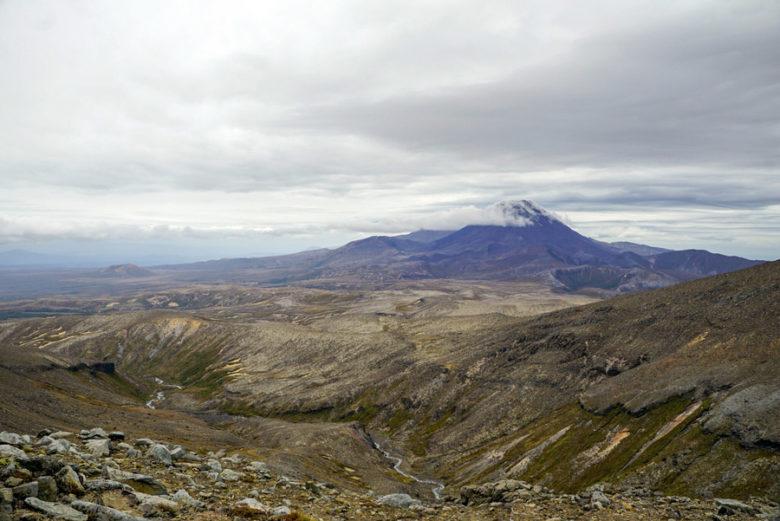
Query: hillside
(674, 389)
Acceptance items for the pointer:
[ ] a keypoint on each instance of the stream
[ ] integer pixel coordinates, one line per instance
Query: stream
(437, 486)
(160, 396)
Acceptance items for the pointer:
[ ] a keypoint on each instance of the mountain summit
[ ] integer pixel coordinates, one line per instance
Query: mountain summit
(521, 213)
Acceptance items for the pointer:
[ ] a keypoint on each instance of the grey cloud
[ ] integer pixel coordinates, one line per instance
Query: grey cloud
(699, 89)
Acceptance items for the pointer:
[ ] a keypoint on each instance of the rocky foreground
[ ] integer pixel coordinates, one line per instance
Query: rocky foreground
(95, 475)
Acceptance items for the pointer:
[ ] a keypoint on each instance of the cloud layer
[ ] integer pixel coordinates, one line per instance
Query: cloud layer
(199, 120)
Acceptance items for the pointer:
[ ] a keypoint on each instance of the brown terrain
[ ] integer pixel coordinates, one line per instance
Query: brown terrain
(482, 386)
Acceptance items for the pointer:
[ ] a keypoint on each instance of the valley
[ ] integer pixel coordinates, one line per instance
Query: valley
(673, 390)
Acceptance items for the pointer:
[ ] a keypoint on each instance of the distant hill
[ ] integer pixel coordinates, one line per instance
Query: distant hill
(125, 271)
(529, 243)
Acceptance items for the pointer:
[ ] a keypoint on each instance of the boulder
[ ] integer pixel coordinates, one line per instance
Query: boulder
(69, 482)
(398, 500)
(11, 438)
(140, 482)
(60, 446)
(160, 453)
(183, 498)
(55, 510)
(101, 485)
(47, 488)
(26, 490)
(116, 436)
(9, 450)
(732, 506)
(96, 433)
(99, 447)
(104, 513)
(154, 505)
(251, 508)
(231, 475)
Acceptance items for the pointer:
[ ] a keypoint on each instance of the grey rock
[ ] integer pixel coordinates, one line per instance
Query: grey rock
(160, 453)
(60, 446)
(11, 438)
(9, 450)
(143, 442)
(97, 432)
(133, 453)
(43, 441)
(103, 484)
(598, 498)
(104, 513)
(68, 481)
(212, 465)
(183, 498)
(398, 500)
(26, 490)
(99, 447)
(280, 511)
(140, 482)
(47, 488)
(735, 506)
(6, 500)
(54, 510)
(250, 507)
(231, 475)
(116, 436)
(61, 434)
(154, 505)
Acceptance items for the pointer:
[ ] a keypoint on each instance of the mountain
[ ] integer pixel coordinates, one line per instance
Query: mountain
(517, 241)
(521, 241)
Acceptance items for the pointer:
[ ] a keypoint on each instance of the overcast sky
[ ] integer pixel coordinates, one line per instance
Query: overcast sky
(218, 129)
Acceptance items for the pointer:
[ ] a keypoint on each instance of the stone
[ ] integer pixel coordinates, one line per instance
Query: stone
(212, 465)
(160, 453)
(143, 442)
(251, 508)
(180, 454)
(43, 465)
(54, 510)
(44, 432)
(9, 450)
(11, 438)
(133, 453)
(99, 447)
(6, 500)
(140, 482)
(43, 441)
(100, 485)
(97, 432)
(116, 436)
(154, 505)
(398, 500)
(735, 506)
(103, 513)
(231, 475)
(60, 446)
(47, 488)
(69, 482)
(61, 434)
(280, 511)
(183, 498)
(598, 498)
(26, 490)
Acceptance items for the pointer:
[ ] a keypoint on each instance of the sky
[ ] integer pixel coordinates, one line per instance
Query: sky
(152, 131)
